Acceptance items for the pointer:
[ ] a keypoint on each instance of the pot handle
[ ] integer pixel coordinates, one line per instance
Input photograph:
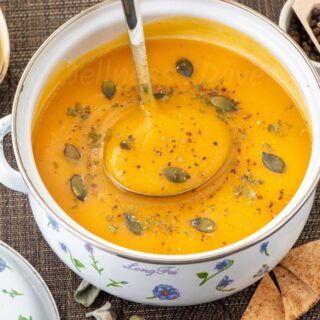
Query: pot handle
(8, 176)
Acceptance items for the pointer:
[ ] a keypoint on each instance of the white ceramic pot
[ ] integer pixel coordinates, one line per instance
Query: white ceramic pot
(284, 23)
(170, 280)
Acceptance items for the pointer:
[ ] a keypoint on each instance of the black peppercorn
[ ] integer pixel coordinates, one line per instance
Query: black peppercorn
(315, 12)
(313, 23)
(298, 33)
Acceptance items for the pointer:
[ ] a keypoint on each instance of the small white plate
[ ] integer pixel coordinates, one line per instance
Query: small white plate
(23, 293)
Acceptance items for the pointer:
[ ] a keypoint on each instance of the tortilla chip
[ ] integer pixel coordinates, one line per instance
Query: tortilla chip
(266, 302)
(304, 262)
(297, 297)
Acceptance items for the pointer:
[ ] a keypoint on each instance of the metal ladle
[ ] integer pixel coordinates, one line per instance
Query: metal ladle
(147, 102)
(138, 48)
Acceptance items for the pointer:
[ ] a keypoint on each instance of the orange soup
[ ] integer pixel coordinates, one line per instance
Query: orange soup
(215, 109)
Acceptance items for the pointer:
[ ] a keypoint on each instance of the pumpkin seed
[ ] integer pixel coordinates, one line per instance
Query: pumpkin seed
(109, 89)
(184, 67)
(161, 96)
(223, 104)
(133, 224)
(71, 152)
(78, 187)
(203, 224)
(176, 175)
(273, 162)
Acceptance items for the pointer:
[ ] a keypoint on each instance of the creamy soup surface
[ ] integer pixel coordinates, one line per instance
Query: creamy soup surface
(260, 146)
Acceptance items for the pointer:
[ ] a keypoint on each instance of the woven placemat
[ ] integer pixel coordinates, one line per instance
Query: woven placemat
(30, 22)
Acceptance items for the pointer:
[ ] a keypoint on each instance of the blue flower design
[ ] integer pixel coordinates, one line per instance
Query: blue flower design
(63, 247)
(165, 292)
(95, 262)
(3, 265)
(76, 262)
(224, 283)
(53, 223)
(264, 248)
(260, 273)
(222, 265)
(265, 269)
(89, 248)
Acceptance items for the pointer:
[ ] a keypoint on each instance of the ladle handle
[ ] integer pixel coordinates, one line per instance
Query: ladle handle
(136, 35)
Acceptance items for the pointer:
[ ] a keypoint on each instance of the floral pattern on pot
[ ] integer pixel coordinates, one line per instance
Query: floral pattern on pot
(3, 265)
(53, 224)
(76, 262)
(12, 293)
(165, 292)
(220, 267)
(264, 269)
(264, 248)
(224, 283)
(221, 277)
(22, 290)
(116, 284)
(94, 261)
